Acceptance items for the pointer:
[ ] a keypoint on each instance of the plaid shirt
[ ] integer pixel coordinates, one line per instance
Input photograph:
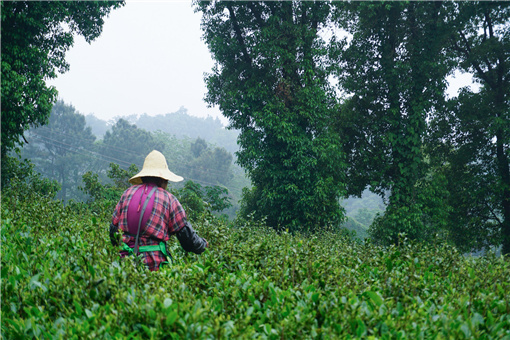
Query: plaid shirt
(167, 218)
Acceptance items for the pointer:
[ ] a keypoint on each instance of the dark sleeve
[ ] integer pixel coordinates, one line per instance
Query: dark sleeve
(189, 239)
(113, 236)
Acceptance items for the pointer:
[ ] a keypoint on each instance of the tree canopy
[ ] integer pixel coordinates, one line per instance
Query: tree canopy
(471, 137)
(388, 126)
(270, 81)
(35, 38)
(61, 149)
(395, 69)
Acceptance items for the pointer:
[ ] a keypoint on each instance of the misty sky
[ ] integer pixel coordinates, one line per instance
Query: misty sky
(149, 59)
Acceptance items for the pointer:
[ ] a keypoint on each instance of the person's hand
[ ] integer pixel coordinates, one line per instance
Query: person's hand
(206, 244)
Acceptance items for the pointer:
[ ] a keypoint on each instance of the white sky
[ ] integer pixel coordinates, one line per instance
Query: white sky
(149, 59)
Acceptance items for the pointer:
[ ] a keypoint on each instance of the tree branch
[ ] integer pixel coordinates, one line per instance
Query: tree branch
(495, 217)
(476, 65)
(256, 12)
(239, 35)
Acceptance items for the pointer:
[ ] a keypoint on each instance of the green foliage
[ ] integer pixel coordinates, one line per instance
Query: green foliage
(61, 149)
(248, 206)
(62, 279)
(471, 138)
(270, 81)
(365, 216)
(34, 43)
(128, 144)
(198, 147)
(423, 218)
(217, 197)
(197, 200)
(358, 229)
(120, 177)
(20, 177)
(104, 197)
(210, 165)
(395, 83)
(469, 160)
(191, 199)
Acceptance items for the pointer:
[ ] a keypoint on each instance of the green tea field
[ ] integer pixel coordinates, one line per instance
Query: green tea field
(61, 279)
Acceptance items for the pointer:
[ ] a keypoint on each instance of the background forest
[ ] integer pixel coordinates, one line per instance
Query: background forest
(334, 98)
(73, 146)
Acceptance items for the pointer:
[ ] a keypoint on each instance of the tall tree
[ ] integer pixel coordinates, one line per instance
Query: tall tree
(211, 165)
(271, 81)
(126, 144)
(34, 43)
(61, 149)
(474, 134)
(198, 146)
(394, 70)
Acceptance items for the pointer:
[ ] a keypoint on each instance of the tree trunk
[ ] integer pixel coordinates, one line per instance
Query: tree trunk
(504, 173)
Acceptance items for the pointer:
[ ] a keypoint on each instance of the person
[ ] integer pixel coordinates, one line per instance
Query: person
(148, 216)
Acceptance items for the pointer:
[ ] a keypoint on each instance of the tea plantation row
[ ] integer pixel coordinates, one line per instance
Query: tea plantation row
(62, 279)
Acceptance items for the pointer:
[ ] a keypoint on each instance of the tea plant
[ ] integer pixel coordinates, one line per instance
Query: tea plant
(62, 279)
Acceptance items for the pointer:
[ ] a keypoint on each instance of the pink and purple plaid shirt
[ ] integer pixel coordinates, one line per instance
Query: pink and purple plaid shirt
(166, 218)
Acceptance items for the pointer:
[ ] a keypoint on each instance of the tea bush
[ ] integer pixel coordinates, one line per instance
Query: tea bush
(61, 279)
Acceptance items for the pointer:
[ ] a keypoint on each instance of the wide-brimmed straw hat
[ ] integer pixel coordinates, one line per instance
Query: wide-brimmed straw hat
(155, 166)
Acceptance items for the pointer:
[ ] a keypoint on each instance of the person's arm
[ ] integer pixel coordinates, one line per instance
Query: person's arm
(114, 225)
(113, 234)
(190, 241)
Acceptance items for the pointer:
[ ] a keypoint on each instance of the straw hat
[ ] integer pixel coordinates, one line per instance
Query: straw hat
(155, 166)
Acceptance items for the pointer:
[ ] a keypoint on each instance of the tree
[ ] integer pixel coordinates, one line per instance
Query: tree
(24, 180)
(61, 149)
(394, 70)
(270, 80)
(126, 144)
(197, 200)
(198, 147)
(104, 196)
(472, 138)
(210, 165)
(98, 126)
(35, 38)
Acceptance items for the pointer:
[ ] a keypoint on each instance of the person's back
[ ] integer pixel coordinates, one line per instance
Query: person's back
(148, 215)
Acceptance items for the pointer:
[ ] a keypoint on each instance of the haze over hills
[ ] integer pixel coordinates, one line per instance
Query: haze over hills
(179, 124)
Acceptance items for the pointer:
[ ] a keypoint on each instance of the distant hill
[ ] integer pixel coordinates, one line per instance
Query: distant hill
(178, 123)
(362, 211)
(368, 201)
(98, 126)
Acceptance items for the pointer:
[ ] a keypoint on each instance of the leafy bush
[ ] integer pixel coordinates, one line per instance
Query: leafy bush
(104, 197)
(20, 177)
(197, 200)
(62, 279)
(422, 216)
